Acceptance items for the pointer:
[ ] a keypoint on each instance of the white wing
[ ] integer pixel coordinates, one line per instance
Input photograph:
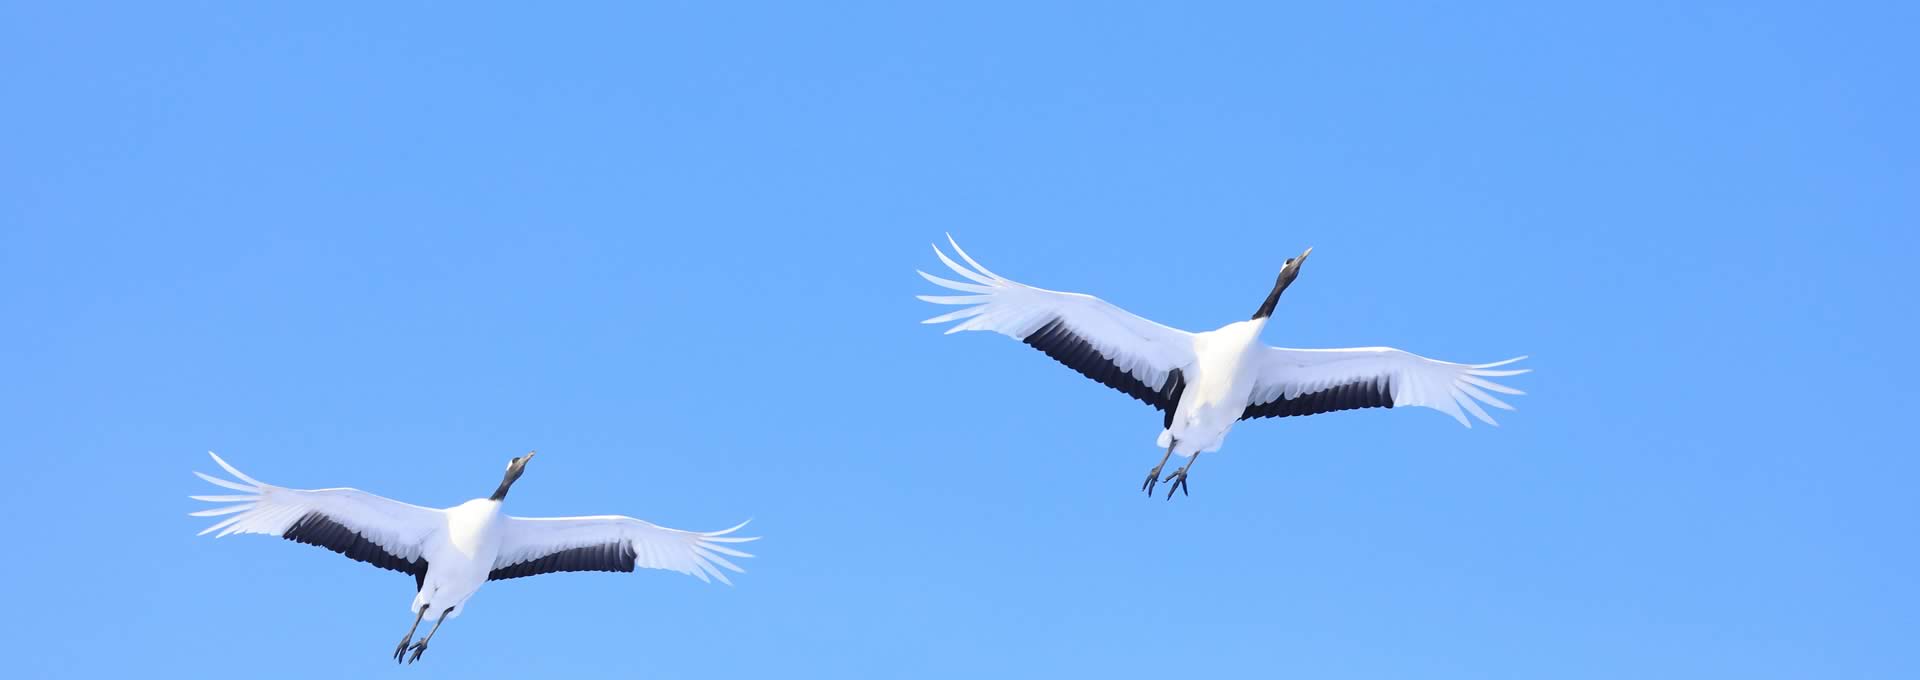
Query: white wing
(1106, 343)
(1298, 382)
(543, 545)
(379, 531)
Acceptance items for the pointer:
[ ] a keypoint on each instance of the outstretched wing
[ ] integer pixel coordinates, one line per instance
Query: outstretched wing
(380, 531)
(1300, 382)
(543, 545)
(1106, 343)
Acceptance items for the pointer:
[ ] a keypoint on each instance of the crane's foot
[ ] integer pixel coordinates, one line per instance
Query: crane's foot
(1179, 479)
(1153, 479)
(399, 653)
(418, 649)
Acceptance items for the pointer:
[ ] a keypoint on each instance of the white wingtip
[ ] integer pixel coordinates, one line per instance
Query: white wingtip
(1486, 370)
(216, 481)
(216, 512)
(1472, 406)
(1501, 374)
(712, 546)
(247, 501)
(1481, 395)
(722, 536)
(953, 285)
(232, 471)
(964, 256)
(1472, 379)
(955, 299)
(956, 315)
(224, 526)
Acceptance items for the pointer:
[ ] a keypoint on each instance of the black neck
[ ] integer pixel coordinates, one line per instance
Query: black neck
(1287, 273)
(501, 493)
(1273, 298)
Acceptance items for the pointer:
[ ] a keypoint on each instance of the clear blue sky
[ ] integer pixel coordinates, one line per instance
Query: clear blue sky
(672, 248)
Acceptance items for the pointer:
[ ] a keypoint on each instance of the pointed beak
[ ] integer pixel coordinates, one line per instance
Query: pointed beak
(1292, 267)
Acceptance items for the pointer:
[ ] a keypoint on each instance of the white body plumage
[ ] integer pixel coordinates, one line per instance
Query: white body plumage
(1217, 391)
(472, 539)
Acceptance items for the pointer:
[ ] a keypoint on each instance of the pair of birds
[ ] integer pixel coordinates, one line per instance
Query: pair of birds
(1203, 382)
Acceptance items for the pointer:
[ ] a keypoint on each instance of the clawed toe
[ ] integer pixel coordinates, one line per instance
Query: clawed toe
(1153, 480)
(418, 649)
(1179, 479)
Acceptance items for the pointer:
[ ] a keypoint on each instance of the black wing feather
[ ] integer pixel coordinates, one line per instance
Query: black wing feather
(617, 556)
(1058, 340)
(1366, 393)
(315, 528)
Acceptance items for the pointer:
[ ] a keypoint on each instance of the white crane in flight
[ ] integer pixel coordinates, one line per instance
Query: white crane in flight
(450, 553)
(1206, 382)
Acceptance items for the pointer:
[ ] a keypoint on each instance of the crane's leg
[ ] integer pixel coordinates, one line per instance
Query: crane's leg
(1153, 476)
(1179, 477)
(421, 646)
(402, 650)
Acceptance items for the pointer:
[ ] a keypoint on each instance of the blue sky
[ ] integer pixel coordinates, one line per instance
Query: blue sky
(672, 248)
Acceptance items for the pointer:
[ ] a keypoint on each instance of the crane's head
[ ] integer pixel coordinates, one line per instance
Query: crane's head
(514, 468)
(1287, 273)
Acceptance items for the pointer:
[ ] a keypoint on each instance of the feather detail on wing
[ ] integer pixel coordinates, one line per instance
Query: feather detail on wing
(1296, 382)
(379, 531)
(543, 545)
(1128, 353)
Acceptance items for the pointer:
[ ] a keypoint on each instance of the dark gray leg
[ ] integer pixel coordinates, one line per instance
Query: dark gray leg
(421, 646)
(1179, 477)
(402, 650)
(1153, 476)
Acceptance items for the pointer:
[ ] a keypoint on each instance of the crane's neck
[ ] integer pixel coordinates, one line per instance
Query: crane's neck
(506, 483)
(1266, 308)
